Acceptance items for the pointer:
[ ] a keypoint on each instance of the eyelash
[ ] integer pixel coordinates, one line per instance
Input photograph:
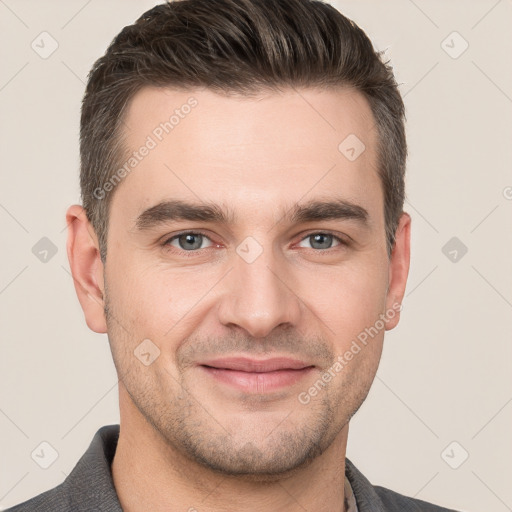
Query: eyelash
(166, 243)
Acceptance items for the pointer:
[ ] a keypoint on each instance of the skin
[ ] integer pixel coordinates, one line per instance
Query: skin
(186, 439)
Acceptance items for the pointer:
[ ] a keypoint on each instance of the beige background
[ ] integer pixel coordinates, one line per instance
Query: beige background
(445, 374)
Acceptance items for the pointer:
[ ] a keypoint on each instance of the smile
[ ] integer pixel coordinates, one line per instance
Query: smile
(257, 376)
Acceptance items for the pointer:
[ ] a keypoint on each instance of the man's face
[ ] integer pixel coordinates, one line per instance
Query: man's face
(250, 310)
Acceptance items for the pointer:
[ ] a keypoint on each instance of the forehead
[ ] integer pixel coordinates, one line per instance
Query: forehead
(244, 151)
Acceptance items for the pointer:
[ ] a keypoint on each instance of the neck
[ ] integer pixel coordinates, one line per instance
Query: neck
(149, 474)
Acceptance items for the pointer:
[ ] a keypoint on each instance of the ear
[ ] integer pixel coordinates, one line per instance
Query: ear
(86, 267)
(398, 270)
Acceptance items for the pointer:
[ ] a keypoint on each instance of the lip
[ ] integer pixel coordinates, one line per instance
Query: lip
(246, 364)
(257, 375)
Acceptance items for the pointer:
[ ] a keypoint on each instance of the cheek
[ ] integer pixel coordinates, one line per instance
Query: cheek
(348, 298)
(142, 292)
(160, 303)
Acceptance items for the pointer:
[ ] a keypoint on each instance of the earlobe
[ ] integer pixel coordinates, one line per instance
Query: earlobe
(86, 267)
(398, 271)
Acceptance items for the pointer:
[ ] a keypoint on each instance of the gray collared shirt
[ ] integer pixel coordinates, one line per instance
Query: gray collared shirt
(350, 499)
(90, 487)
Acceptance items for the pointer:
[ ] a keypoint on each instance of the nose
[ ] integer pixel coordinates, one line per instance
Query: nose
(259, 296)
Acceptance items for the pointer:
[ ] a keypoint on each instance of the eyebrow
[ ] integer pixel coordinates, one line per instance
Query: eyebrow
(317, 210)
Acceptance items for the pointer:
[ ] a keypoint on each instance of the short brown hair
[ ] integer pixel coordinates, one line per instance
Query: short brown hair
(236, 46)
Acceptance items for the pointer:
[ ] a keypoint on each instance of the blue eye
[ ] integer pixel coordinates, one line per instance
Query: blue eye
(322, 240)
(189, 241)
(193, 241)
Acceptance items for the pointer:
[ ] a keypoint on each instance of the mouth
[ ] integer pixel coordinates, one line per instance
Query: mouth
(257, 375)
